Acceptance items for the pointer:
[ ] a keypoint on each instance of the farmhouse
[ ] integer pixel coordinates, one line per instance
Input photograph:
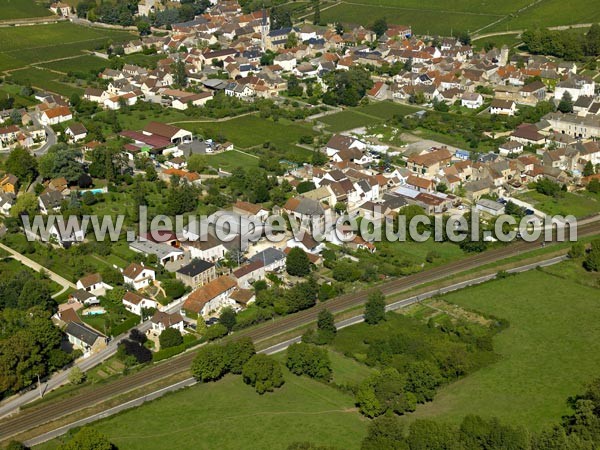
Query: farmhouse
(53, 116)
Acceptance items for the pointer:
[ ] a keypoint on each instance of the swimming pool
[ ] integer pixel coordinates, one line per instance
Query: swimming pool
(95, 191)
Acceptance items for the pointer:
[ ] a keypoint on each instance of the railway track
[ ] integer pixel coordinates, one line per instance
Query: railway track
(29, 419)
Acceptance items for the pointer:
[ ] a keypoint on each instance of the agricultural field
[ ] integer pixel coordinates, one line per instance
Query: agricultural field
(85, 63)
(362, 116)
(445, 18)
(23, 46)
(347, 120)
(551, 13)
(549, 352)
(22, 9)
(251, 130)
(205, 415)
(45, 80)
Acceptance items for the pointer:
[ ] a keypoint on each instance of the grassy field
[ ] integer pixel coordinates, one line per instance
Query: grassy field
(569, 203)
(549, 352)
(15, 92)
(231, 159)
(251, 130)
(231, 415)
(22, 9)
(22, 46)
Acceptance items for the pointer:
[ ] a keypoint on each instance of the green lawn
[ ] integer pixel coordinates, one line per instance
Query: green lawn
(580, 205)
(231, 415)
(231, 159)
(15, 92)
(549, 352)
(251, 130)
(22, 9)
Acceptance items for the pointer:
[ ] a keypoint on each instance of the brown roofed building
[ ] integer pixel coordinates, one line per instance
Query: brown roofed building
(210, 297)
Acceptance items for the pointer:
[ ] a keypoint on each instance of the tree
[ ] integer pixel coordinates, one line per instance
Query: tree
(88, 439)
(379, 27)
(592, 260)
(179, 74)
(209, 364)
(22, 164)
(239, 353)
(339, 28)
(592, 41)
(61, 161)
(317, 12)
(76, 376)
(297, 263)
(228, 318)
(588, 169)
(566, 103)
(375, 308)
(385, 432)
(307, 359)
(577, 250)
(171, 337)
(305, 186)
(197, 163)
(292, 40)
(263, 372)
(26, 204)
(326, 327)
(464, 38)
(143, 27)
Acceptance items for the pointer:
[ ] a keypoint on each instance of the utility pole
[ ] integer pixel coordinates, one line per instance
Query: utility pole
(40, 385)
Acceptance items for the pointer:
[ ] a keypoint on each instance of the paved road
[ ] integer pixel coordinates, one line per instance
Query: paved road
(50, 137)
(32, 418)
(276, 349)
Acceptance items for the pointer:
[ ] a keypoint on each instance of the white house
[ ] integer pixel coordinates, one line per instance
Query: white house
(93, 284)
(471, 100)
(138, 276)
(76, 132)
(503, 107)
(66, 232)
(161, 321)
(53, 116)
(136, 303)
(576, 86)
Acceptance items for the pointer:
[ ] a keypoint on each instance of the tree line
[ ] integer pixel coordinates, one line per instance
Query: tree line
(568, 44)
